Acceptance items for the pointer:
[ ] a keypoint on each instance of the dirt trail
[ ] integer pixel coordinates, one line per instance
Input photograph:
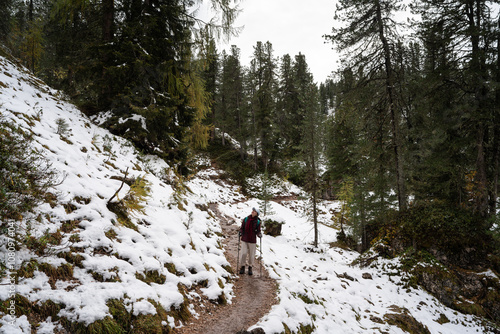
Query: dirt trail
(254, 295)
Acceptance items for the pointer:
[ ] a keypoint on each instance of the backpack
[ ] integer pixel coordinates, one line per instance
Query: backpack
(256, 228)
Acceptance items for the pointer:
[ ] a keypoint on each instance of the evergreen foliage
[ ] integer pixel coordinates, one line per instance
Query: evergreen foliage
(309, 120)
(230, 115)
(345, 197)
(262, 81)
(425, 108)
(287, 109)
(409, 121)
(133, 58)
(371, 35)
(449, 233)
(265, 196)
(62, 127)
(210, 66)
(5, 19)
(25, 176)
(460, 38)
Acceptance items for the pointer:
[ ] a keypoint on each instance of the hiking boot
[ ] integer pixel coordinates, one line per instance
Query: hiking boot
(250, 271)
(242, 270)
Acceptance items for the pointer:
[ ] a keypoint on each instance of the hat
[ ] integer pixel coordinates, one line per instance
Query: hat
(256, 210)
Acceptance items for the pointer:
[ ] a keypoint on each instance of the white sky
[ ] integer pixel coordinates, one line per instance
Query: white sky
(292, 26)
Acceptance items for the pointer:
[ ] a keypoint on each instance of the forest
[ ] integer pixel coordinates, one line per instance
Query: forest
(405, 132)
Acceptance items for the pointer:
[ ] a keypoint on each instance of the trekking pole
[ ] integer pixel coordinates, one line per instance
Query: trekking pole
(260, 256)
(238, 259)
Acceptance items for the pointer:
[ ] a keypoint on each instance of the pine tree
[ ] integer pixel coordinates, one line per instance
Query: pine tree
(265, 195)
(471, 26)
(72, 39)
(210, 73)
(357, 148)
(262, 79)
(310, 131)
(496, 133)
(327, 95)
(286, 106)
(5, 19)
(303, 101)
(370, 36)
(134, 58)
(230, 114)
(27, 38)
(435, 133)
(341, 142)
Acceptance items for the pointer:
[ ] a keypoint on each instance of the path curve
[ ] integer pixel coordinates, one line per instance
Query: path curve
(253, 295)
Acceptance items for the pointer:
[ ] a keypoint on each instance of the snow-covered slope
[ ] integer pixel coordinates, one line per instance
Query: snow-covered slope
(324, 290)
(173, 245)
(171, 257)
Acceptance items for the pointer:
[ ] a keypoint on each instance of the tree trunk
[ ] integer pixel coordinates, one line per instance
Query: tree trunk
(481, 177)
(314, 187)
(108, 15)
(496, 135)
(400, 180)
(31, 20)
(473, 12)
(254, 136)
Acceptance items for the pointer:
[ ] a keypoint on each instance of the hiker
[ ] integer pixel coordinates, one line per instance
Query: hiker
(249, 231)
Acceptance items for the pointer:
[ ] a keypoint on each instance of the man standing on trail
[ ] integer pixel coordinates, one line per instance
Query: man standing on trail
(249, 231)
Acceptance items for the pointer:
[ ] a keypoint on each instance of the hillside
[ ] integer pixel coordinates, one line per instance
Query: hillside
(83, 265)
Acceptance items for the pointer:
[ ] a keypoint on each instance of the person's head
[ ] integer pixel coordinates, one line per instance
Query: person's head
(255, 212)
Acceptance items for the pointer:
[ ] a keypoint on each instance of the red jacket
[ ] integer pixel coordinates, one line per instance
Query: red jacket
(250, 228)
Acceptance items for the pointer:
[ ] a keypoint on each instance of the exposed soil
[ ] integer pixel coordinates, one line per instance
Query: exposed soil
(253, 295)
(280, 199)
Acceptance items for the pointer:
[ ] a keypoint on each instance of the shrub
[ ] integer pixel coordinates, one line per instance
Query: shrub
(448, 229)
(456, 235)
(25, 175)
(272, 227)
(63, 128)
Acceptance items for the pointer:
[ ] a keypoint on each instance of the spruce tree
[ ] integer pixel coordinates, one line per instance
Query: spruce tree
(310, 130)
(327, 95)
(133, 58)
(5, 19)
(286, 107)
(262, 80)
(210, 72)
(369, 36)
(471, 27)
(357, 148)
(27, 38)
(230, 116)
(435, 134)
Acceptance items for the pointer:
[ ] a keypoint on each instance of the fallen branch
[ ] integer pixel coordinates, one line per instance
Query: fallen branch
(121, 186)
